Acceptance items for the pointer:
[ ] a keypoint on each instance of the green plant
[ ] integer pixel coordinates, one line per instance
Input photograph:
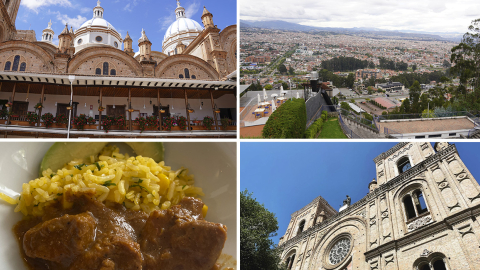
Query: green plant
(208, 122)
(80, 121)
(3, 112)
(142, 122)
(288, 121)
(61, 119)
(38, 106)
(121, 121)
(182, 122)
(152, 122)
(48, 119)
(108, 122)
(315, 128)
(225, 123)
(168, 123)
(91, 121)
(324, 115)
(32, 117)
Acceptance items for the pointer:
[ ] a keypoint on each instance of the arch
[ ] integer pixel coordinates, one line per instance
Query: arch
(98, 71)
(167, 67)
(403, 164)
(105, 68)
(113, 72)
(194, 77)
(289, 258)
(180, 76)
(33, 48)
(8, 65)
(92, 53)
(301, 226)
(187, 73)
(23, 66)
(434, 261)
(16, 62)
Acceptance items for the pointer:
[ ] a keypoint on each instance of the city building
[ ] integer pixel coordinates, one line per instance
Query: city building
(421, 213)
(390, 86)
(89, 73)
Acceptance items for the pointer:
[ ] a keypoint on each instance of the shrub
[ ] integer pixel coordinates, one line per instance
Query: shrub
(182, 122)
(121, 121)
(3, 112)
(91, 121)
(313, 130)
(142, 122)
(108, 122)
(288, 121)
(61, 119)
(80, 121)
(324, 115)
(32, 117)
(168, 123)
(152, 122)
(368, 116)
(208, 122)
(225, 123)
(48, 119)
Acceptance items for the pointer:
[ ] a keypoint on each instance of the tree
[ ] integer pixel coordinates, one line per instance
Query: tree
(268, 87)
(257, 225)
(282, 69)
(285, 85)
(291, 70)
(414, 67)
(415, 92)
(428, 114)
(350, 80)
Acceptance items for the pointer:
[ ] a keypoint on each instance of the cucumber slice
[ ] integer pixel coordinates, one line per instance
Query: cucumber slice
(152, 150)
(63, 152)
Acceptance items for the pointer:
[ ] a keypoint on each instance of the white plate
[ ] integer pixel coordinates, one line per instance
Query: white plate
(213, 164)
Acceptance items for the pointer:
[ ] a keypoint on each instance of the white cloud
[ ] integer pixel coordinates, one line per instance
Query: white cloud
(35, 5)
(425, 15)
(192, 9)
(76, 22)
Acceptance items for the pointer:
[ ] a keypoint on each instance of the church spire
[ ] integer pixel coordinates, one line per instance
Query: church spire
(47, 33)
(98, 11)
(180, 11)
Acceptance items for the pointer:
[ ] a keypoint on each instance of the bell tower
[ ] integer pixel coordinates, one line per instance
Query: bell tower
(207, 19)
(47, 34)
(127, 45)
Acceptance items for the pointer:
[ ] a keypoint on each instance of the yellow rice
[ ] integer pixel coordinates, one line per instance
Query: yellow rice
(139, 183)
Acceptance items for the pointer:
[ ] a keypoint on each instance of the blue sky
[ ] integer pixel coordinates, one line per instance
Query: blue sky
(125, 15)
(287, 176)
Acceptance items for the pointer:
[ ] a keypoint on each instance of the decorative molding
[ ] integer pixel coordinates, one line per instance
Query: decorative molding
(474, 198)
(373, 243)
(374, 265)
(461, 175)
(384, 214)
(361, 213)
(389, 259)
(453, 207)
(443, 185)
(465, 230)
(389, 152)
(425, 253)
(400, 152)
(373, 221)
(424, 146)
(420, 222)
(389, 235)
(450, 159)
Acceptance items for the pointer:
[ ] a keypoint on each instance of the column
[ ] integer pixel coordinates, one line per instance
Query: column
(41, 98)
(186, 109)
(213, 109)
(159, 113)
(99, 112)
(130, 127)
(11, 108)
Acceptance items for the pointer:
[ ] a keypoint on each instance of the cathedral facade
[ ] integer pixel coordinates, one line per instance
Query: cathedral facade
(194, 75)
(421, 213)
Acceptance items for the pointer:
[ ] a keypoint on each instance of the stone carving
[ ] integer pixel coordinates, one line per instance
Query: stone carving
(373, 221)
(474, 198)
(380, 173)
(385, 214)
(389, 235)
(450, 159)
(418, 223)
(424, 146)
(347, 201)
(401, 152)
(453, 207)
(461, 176)
(388, 259)
(425, 253)
(361, 213)
(443, 185)
(465, 230)
(309, 252)
(373, 243)
(374, 265)
(441, 145)
(380, 163)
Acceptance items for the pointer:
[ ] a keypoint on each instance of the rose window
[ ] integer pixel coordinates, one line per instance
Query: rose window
(339, 251)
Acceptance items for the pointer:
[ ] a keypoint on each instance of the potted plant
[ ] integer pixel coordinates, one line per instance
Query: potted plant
(225, 123)
(80, 121)
(142, 123)
(108, 122)
(60, 120)
(101, 109)
(121, 121)
(168, 123)
(48, 119)
(38, 106)
(9, 104)
(32, 118)
(3, 113)
(196, 122)
(182, 122)
(152, 122)
(208, 122)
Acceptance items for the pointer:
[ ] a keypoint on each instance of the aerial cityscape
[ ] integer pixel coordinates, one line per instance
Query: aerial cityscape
(372, 76)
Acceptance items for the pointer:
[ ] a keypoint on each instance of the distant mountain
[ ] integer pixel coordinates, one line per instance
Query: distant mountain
(362, 31)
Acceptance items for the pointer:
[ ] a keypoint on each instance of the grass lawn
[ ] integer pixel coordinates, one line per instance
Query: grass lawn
(331, 130)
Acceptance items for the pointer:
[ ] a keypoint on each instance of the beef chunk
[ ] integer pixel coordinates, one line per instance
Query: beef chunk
(180, 239)
(60, 239)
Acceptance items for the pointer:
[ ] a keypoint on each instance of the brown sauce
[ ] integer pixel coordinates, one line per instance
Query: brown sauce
(92, 235)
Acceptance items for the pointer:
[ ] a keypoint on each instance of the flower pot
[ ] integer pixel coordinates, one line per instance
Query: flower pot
(176, 128)
(198, 128)
(90, 127)
(55, 125)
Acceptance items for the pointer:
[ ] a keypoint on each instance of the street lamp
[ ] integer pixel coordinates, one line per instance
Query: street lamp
(71, 78)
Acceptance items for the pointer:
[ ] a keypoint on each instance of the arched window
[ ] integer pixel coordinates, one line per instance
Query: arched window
(187, 74)
(403, 164)
(439, 264)
(8, 64)
(301, 226)
(425, 267)
(23, 66)
(105, 68)
(291, 262)
(16, 62)
(180, 76)
(98, 71)
(194, 77)
(113, 72)
(414, 204)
